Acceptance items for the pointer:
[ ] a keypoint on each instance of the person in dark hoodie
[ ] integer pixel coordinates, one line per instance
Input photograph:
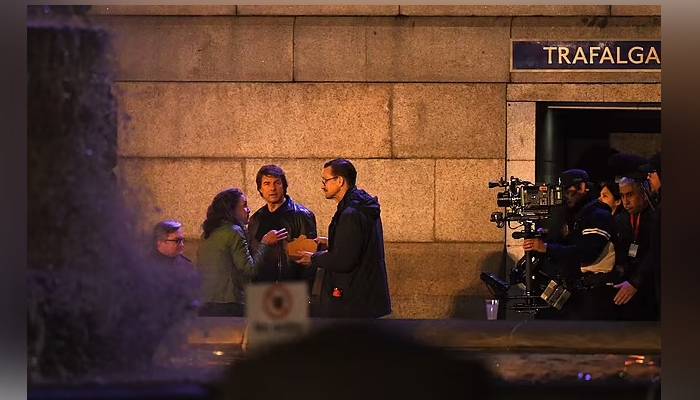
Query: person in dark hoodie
(582, 258)
(352, 278)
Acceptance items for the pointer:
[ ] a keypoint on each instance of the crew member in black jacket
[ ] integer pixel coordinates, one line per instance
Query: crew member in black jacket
(636, 292)
(581, 259)
(354, 284)
(279, 212)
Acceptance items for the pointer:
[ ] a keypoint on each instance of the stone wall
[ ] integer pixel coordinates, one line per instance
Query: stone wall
(421, 98)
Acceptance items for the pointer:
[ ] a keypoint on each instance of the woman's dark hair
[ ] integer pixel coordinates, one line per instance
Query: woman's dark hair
(271, 170)
(221, 210)
(344, 168)
(613, 187)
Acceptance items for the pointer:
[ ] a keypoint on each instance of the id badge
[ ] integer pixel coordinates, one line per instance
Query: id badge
(633, 250)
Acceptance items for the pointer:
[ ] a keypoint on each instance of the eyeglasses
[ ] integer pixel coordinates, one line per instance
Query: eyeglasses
(325, 180)
(178, 241)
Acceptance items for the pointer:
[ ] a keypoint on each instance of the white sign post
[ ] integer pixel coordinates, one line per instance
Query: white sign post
(276, 312)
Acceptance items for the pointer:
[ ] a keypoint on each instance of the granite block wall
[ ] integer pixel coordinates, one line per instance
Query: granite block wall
(420, 98)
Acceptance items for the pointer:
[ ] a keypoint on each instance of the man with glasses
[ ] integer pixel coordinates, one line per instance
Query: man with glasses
(178, 276)
(169, 244)
(353, 282)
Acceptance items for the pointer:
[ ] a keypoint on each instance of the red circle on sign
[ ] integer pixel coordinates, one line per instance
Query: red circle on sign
(277, 301)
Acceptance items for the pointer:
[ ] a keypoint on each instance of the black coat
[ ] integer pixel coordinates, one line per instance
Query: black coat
(298, 220)
(355, 282)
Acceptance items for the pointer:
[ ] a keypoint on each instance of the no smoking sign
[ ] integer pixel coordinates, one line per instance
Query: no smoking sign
(276, 312)
(277, 301)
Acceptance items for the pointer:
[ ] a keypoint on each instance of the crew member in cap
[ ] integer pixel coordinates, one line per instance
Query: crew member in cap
(581, 257)
(653, 171)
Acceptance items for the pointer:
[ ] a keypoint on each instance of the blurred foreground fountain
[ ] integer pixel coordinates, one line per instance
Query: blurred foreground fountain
(95, 307)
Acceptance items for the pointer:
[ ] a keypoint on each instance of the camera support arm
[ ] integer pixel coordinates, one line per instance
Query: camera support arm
(529, 233)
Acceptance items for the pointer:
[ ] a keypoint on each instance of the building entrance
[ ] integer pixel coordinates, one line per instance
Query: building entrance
(576, 135)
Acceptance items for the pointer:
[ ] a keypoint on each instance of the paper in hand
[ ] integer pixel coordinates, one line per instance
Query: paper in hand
(302, 243)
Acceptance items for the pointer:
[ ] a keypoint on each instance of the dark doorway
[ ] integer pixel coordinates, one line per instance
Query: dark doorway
(575, 135)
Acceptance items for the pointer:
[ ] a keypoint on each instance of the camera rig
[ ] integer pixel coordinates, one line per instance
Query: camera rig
(525, 204)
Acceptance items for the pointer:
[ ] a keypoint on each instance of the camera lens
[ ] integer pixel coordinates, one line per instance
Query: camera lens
(503, 199)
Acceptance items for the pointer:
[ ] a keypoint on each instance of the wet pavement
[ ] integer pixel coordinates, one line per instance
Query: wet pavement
(532, 360)
(208, 362)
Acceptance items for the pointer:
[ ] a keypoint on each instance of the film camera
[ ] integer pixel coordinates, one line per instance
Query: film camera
(525, 201)
(525, 204)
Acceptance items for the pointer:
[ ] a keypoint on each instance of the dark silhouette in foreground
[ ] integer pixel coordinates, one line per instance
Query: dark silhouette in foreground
(354, 361)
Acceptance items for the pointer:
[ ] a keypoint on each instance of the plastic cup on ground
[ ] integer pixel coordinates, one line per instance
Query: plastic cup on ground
(491, 309)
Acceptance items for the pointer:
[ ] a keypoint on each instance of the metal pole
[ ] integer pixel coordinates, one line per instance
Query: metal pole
(528, 266)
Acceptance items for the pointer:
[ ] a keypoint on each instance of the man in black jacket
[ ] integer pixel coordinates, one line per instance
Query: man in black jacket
(635, 294)
(354, 284)
(279, 212)
(580, 258)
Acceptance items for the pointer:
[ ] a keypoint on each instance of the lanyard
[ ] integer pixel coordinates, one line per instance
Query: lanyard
(635, 226)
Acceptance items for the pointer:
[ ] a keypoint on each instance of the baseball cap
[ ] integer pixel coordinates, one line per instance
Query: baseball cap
(654, 164)
(572, 177)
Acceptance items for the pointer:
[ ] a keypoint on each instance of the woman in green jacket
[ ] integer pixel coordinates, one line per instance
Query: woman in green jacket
(223, 258)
